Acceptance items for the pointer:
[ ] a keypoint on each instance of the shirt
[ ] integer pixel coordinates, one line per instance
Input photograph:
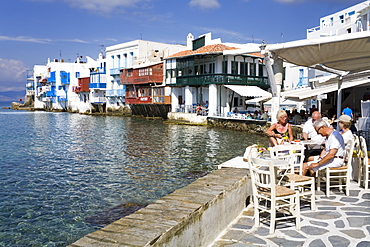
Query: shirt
(311, 132)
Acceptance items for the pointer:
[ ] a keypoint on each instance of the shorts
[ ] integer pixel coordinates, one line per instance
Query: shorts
(336, 162)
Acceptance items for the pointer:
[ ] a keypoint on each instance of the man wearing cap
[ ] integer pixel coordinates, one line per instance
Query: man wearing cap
(344, 122)
(308, 132)
(332, 155)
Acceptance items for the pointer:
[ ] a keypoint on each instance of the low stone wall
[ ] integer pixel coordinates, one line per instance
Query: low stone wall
(191, 216)
(189, 117)
(248, 125)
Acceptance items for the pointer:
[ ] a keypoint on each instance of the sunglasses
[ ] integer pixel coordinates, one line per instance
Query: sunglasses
(318, 130)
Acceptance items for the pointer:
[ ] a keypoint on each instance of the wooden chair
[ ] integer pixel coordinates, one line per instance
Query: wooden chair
(336, 177)
(271, 198)
(364, 168)
(294, 155)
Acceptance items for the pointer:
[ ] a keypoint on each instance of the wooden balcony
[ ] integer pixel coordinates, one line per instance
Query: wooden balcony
(224, 79)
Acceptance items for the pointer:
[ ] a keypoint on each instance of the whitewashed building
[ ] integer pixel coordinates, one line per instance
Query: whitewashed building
(204, 75)
(57, 85)
(354, 19)
(128, 55)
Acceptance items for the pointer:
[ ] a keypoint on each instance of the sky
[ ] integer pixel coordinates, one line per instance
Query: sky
(31, 31)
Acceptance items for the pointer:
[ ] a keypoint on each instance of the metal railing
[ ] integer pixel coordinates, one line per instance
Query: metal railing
(227, 79)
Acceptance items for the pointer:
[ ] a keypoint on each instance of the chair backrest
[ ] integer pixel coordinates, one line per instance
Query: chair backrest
(262, 175)
(363, 149)
(283, 152)
(349, 153)
(280, 152)
(297, 153)
(357, 146)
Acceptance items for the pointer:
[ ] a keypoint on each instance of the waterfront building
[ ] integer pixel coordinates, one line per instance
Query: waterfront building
(134, 70)
(65, 86)
(201, 75)
(350, 20)
(354, 19)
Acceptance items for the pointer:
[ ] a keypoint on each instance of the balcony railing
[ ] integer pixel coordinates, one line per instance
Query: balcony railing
(98, 85)
(115, 71)
(228, 79)
(115, 93)
(98, 70)
(161, 99)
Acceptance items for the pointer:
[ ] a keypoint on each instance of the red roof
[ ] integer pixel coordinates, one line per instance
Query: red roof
(209, 49)
(217, 48)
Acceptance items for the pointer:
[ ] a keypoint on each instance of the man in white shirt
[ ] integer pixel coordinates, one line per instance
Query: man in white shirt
(309, 132)
(334, 153)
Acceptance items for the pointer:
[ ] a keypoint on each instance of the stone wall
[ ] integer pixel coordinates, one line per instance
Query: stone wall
(188, 117)
(191, 216)
(248, 125)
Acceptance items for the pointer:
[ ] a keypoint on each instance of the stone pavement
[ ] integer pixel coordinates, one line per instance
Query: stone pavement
(339, 220)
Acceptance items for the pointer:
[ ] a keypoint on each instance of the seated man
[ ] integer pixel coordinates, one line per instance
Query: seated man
(308, 132)
(333, 154)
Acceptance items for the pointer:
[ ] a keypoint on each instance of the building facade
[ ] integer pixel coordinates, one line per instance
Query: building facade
(134, 69)
(198, 76)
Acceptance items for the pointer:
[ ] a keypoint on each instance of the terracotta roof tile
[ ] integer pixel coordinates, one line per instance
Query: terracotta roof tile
(217, 48)
(256, 54)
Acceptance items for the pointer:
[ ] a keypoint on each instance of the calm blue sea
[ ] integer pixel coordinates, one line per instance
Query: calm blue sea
(62, 174)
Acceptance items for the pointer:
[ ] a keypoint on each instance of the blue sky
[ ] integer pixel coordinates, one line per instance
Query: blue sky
(31, 31)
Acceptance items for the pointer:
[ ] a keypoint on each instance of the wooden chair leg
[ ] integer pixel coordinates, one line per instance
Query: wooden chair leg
(327, 182)
(297, 213)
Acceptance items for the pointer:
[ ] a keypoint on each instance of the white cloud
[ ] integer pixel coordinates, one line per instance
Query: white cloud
(102, 6)
(205, 4)
(76, 41)
(42, 41)
(24, 39)
(12, 75)
(220, 31)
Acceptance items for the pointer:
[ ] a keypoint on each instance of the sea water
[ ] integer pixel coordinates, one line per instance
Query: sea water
(62, 174)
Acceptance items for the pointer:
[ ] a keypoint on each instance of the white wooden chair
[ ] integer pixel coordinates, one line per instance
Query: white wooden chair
(294, 155)
(336, 177)
(364, 168)
(270, 198)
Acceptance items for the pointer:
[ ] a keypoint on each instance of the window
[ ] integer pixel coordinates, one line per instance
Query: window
(212, 68)
(129, 73)
(243, 68)
(341, 19)
(252, 69)
(77, 74)
(118, 61)
(236, 101)
(260, 69)
(234, 67)
(364, 22)
(224, 67)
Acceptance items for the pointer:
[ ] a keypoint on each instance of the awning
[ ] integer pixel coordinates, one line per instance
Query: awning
(249, 91)
(256, 100)
(286, 102)
(348, 52)
(305, 93)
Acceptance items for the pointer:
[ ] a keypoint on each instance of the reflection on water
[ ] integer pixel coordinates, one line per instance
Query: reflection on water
(59, 170)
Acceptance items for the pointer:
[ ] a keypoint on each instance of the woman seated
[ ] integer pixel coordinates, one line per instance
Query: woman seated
(280, 131)
(345, 125)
